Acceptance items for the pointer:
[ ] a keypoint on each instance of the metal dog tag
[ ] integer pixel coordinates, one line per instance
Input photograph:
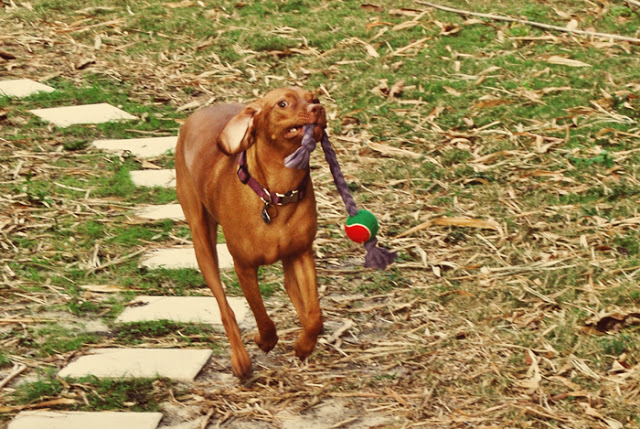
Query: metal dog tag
(269, 212)
(265, 214)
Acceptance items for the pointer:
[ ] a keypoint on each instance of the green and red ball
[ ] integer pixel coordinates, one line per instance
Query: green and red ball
(362, 227)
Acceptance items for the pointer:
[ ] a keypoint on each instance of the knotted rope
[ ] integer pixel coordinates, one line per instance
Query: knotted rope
(376, 257)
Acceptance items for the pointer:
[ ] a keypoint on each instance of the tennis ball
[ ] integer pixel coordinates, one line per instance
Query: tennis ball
(362, 227)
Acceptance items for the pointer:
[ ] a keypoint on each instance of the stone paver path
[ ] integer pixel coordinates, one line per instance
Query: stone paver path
(177, 364)
(83, 114)
(84, 420)
(143, 147)
(22, 88)
(185, 309)
(151, 178)
(159, 212)
(183, 257)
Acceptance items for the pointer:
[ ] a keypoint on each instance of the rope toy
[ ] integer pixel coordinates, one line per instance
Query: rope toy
(361, 225)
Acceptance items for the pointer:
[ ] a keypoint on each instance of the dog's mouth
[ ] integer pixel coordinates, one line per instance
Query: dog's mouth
(295, 131)
(315, 115)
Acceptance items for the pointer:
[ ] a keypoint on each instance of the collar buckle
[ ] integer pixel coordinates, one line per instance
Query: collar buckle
(270, 199)
(292, 196)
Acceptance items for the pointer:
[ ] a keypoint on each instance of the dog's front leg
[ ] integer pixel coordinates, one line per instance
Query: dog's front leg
(301, 284)
(267, 337)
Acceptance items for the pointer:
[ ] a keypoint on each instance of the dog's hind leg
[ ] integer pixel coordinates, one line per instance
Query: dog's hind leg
(204, 231)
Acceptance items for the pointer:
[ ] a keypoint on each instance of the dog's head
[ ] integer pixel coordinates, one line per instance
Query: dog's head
(278, 119)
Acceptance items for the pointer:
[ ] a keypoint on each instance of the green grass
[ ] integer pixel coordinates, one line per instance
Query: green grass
(4, 360)
(107, 394)
(55, 339)
(189, 334)
(38, 390)
(134, 395)
(559, 176)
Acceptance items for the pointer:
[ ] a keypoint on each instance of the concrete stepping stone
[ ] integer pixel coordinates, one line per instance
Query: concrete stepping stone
(22, 87)
(185, 309)
(84, 420)
(83, 114)
(151, 178)
(165, 211)
(142, 148)
(183, 257)
(176, 364)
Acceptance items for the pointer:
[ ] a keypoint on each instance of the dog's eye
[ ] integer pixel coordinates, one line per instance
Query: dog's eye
(283, 104)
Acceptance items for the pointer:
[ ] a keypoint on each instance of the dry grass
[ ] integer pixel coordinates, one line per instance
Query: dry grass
(502, 162)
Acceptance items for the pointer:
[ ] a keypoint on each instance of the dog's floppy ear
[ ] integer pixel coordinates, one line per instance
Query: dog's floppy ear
(235, 137)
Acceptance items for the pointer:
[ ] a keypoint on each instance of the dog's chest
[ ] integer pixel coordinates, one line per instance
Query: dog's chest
(286, 235)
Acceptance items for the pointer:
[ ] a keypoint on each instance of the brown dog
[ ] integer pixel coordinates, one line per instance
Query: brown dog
(271, 217)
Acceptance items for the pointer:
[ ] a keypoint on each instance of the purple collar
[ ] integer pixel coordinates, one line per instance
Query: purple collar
(270, 198)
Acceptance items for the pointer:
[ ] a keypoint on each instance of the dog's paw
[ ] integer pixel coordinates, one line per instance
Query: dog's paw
(266, 343)
(304, 345)
(241, 364)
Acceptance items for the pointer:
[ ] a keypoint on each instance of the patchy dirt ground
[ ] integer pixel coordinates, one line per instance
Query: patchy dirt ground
(502, 162)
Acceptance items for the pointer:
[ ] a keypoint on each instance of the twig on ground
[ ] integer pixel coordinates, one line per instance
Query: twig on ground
(115, 261)
(348, 324)
(205, 419)
(532, 23)
(17, 370)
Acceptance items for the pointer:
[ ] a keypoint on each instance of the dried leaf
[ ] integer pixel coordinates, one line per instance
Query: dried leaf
(371, 51)
(562, 14)
(7, 55)
(146, 165)
(582, 366)
(531, 95)
(532, 382)
(84, 63)
(483, 104)
(473, 21)
(563, 61)
(189, 106)
(447, 28)
(466, 222)
(414, 45)
(178, 5)
(436, 271)
(491, 156)
(435, 113)
(451, 91)
(392, 151)
(382, 89)
(371, 7)
(572, 25)
(611, 423)
(396, 89)
(489, 70)
(405, 25)
(45, 404)
(605, 322)
(405, 12)
(414, 229)
(103, 288)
